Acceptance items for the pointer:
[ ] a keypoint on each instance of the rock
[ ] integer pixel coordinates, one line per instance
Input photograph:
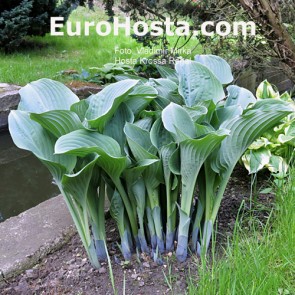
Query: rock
(83, 89)
(102, 270)
(31, 274)
(146, 264)
(9, 99)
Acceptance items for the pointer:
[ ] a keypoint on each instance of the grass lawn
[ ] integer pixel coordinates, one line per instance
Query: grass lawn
(260, 261)
(53, 54)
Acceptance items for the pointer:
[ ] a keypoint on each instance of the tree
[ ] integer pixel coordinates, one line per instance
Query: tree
(21, 18)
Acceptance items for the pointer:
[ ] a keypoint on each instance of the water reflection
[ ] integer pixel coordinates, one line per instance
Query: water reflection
(24, 181)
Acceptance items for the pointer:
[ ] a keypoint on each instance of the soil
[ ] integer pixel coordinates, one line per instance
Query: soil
(68, 271)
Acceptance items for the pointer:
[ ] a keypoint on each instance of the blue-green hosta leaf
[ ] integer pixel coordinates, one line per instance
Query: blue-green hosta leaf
(80, 108)
(245, 129)
(104, 104)
(265, 90)
(193, 153)
(145, 123)
(139, 142)
(46, 95)
(115, 126)
(83, 142)
(197, 83)
(30, 136)
(255, 160)
(117, 211)
(140, 98)
(129, 76)
(167, 90)
(58, 122)
(159, 135)
(167, 73)
(226, 113)
(197, 113)
(239, 96)
(77, 184)
(177, 121)
(218, 66)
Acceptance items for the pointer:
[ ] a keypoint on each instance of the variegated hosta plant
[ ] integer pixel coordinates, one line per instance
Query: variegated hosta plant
(275, 148)
(146, 146)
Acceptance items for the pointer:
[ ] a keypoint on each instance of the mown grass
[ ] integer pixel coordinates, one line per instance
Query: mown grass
(51, 54)
(260, 261)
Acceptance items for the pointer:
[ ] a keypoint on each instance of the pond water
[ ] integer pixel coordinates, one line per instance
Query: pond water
(24, 181)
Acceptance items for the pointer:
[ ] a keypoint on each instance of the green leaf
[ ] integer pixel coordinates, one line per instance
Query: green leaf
(255, 160)
(218, 66)
(167, 90)
(167, 73)
(193, 153)
(46, 95)
(80, 108)
(29, 135)
(140, 98)
(245, 129)
(139, 142)
(58, 122)
(197, 83)
(239, 96)
(115, 126)
(177, 121)
(104, 104)
(265, 90)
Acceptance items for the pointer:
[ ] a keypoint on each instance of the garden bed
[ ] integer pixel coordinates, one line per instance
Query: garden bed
(68, 271)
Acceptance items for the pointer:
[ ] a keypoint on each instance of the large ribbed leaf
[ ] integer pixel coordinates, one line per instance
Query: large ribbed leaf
(115, 126)
(177, 121)
(58, 122)
(159, 135)
(167, 90)
(84, 142)
(167, 73)
(140, 98)
(245, 129)
(46, 95)
(139, 142)
(197, 83)
(104, 104)
(193, 153)
(239, 96)
(218, 66)
(30, 136)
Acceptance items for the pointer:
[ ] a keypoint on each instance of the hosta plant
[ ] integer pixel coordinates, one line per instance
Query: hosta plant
(146, 146)
(275, 148)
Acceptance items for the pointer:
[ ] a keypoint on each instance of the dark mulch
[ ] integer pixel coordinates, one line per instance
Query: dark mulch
(68, 271)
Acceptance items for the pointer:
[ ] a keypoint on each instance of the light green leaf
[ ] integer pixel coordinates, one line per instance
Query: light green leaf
(167, 73)
(104, 104)
(218, 66)
(29, 135)
(239, 96)
(46, 95)
(265, 90)
(255, 160)
(175, 118)
(58, 122)
(197, 82)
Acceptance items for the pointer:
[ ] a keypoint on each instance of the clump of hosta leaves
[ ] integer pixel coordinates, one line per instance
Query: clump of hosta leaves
(146, 145)
(274, 150)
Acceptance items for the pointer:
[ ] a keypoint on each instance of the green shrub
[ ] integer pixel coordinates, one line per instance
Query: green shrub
(274, 150)
(21, 18)
(146, 145)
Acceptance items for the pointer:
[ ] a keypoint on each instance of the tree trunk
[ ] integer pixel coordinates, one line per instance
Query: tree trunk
(267, 15)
